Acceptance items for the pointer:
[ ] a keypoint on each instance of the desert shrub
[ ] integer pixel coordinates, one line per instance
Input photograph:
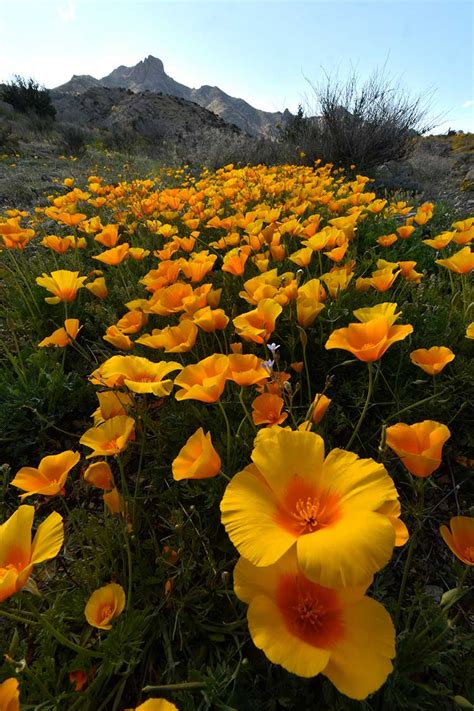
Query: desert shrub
(365, 123)
(26, 95)
(73, 138)
(8, 137)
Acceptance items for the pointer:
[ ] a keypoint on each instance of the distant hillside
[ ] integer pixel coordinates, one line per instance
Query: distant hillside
(153, 116)
(149, 75)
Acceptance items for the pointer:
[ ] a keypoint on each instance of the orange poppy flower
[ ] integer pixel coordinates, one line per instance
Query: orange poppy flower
(62, 283)
(10, 695)
(138, 253)
(259, 324)
(105, 605)
(460, 539)
(336, 281)
(197, 266)
(432, 360)
(60, 245)
(440, 241)
(99, 474)
(267, 409)
(368, 341)
(327, 510)
(382, 279)
(156, 705)
(197, 459)
(210, 320)
(302, 257)
(170, 300)
(64, 336)
(108, 236)
(119, 340)
(234, 262)
(387, 240)
(113, 256)
(419, 446)
(109, 438)
(405, 231)
(132, 322)
(18, 554)
(246, 369)
(174, 339)
(320, 405)
(310, 629)
(111, 404)
(50, 476)
(13, 235)
(139, 375)
(204, 381)
(461, 262)
(98, 288)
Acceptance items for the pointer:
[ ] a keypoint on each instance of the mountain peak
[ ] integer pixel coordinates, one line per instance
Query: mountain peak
(149, 75)
(153, 62)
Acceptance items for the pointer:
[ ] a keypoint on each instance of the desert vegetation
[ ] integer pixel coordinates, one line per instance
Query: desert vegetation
(236, 443)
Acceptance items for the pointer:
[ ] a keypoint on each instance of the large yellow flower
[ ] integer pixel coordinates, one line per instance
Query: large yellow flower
(310, 629)
(109, 438)
(63, 284)
(328, 509)
(139, 375)
(18, 554)
(369, 339)
(49, 478)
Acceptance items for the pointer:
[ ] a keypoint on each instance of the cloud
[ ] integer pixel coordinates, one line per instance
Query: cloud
(67, 11)
(467, 104)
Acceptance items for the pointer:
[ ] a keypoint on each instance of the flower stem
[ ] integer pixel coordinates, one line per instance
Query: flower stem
(125, 535)
(228, 434)
(406, 571)
(365, 408)
(186, 685)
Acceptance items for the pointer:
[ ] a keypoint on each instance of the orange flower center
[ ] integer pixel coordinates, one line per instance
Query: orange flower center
(311, 612)
(304, 509)
(468, 554)
(112, 444)
(106, 612)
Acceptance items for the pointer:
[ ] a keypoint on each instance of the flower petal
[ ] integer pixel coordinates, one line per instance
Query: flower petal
(348, 552)
(360, 663)
(248, 515)
(270, 633)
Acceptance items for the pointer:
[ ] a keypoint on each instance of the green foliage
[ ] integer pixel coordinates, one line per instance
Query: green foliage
(26, 95)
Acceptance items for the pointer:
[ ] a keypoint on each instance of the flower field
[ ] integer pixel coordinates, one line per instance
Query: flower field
(236, 446)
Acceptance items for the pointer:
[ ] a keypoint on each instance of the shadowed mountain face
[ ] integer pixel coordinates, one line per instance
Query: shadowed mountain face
(150, 75)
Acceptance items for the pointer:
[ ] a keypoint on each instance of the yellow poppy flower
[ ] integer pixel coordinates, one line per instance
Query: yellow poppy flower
(50, 476)
(291, 497)
(18, 554)
(312, 629)
(105, 605)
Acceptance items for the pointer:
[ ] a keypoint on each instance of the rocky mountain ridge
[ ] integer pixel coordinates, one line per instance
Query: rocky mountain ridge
(149, 76)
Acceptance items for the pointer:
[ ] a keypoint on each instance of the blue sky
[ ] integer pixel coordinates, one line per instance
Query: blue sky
(263, 52)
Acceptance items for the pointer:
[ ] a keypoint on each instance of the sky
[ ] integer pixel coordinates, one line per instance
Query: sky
(267, 53)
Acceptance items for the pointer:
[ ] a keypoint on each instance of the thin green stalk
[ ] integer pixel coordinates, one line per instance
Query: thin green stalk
(228, 434)
(406, 570)
(17, 618)
(415, 404)
(244, 407)
(366, 406)
(184, 686)
(125, 535)
(61, 638)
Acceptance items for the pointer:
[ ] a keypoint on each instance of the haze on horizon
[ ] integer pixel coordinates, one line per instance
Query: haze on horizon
(263, 52)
